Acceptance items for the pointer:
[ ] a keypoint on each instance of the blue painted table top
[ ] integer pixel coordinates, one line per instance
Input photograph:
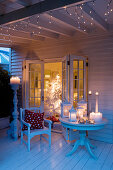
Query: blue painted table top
(86, 126)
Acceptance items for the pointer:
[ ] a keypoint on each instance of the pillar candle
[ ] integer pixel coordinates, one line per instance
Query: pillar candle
(96, 106)
(73, 117)
(90, 94)
(14, 80)
(97, 117)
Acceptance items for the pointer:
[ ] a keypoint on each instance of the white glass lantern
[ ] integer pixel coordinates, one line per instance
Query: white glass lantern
(83, 105)
(80, 112)
(65, 107)
(72, 114)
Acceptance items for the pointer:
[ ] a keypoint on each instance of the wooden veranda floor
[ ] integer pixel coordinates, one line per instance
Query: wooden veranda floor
(14, 156)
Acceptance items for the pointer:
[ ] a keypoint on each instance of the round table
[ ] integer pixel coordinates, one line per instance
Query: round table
(82, 128)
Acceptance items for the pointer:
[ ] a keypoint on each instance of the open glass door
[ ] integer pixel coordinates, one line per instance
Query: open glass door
(34, 84)
(65, 79)
(77, 79)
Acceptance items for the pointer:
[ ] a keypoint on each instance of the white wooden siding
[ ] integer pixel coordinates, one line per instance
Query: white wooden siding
(16, 70)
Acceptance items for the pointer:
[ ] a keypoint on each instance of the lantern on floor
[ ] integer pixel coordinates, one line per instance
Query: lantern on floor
(65, 107)
(72, 114)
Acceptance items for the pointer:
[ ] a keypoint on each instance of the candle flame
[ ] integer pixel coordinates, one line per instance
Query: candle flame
(97, 93)
(90, 92)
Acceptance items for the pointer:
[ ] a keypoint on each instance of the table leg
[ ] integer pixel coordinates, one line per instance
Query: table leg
(76, 145)
(87, 145)
(92, 146)
(83, 141)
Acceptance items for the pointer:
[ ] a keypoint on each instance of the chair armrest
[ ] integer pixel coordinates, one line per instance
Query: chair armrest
(27, 124)
(48, 121)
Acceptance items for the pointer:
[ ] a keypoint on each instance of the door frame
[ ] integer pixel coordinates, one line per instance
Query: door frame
(72, 57)
(66, 60)
(26, 81)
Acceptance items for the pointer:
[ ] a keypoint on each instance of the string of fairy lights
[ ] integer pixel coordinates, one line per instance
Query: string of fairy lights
(75, 12)
(79, 16)
(109, 10)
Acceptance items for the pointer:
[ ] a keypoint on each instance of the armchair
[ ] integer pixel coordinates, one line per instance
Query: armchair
(31, 133)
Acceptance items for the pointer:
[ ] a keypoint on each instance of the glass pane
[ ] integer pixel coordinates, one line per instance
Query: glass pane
(74, 104)
(36, 81)
(81, 94)
(46, 84)
(35, 67)
(31, 92)
(37, 76)
(53, 85)
(75, 74)
(38, 85)
(81, 84)
(37, 101)
(81, 64)
(80, 74)
(31, 75)
(31, 102)
(75, 84)
(75, 95)
(37, 92)
(75, 64)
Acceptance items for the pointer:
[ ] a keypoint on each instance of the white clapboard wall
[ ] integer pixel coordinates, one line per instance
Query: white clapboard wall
(101, 80)
(99, 51)
(16, 70)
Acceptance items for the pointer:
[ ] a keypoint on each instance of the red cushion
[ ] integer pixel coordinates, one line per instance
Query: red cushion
(35, 119)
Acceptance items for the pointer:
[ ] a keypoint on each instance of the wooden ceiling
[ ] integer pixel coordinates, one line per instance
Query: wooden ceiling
(39, 20)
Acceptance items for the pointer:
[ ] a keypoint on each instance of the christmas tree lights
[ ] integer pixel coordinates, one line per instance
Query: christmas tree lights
(54, 91)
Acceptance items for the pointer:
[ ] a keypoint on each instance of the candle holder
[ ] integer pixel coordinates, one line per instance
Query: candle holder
(65, 107)
(14, 126)
(89, 102)
(82, 105)
(80, 112)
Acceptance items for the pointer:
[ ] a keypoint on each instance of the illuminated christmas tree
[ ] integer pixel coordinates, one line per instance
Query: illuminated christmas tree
(54, 92)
